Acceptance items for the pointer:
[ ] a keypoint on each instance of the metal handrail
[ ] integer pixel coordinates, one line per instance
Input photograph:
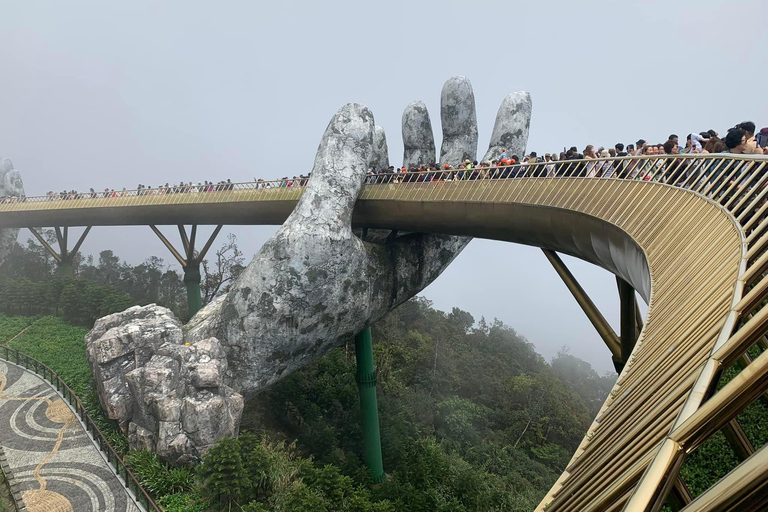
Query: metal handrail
(649, 171)
(129, 480)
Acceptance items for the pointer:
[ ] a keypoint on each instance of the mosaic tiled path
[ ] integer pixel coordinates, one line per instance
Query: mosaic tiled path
(54, 462)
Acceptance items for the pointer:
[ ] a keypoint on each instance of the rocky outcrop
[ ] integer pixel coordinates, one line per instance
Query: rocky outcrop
(11, 187)
(459, 120)
(168, 395)
(311, 287)
(510, 131)
(418, 139)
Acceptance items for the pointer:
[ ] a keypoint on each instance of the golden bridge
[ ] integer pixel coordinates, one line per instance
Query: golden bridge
(689, 233)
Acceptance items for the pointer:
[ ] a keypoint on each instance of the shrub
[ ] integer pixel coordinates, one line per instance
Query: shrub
(223, 473)
(182, 502)
(10, 326)
(156, 477)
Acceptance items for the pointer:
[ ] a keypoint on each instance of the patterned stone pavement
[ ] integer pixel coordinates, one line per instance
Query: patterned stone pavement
(54, 462)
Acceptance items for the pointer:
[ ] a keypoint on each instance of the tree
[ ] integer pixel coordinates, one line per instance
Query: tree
(581, 378)
(222, 272)
(224, 476)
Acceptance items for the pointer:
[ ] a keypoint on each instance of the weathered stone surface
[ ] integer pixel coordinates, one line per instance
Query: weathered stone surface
(11, 186)
(510, 131)
(314, 284)
(418, 139)
(380, 158)
(310, 288)
(145, 374)
(459, 120)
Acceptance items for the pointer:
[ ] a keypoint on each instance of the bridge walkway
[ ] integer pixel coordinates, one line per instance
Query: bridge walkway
(54, 463)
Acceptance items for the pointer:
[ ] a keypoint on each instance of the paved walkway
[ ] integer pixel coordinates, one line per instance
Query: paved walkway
(53, 460)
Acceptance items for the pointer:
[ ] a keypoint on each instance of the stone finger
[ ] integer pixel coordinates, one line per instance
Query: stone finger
(510, 131)
(418, 139)
(340, 167)
(459, 120)
(380, 158)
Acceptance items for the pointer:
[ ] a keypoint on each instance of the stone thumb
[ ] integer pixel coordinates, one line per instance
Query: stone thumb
(340, 167)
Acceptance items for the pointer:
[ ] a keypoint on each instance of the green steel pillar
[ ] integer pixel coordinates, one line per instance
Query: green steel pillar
(65, 268)
(366, 383)
(192, 282)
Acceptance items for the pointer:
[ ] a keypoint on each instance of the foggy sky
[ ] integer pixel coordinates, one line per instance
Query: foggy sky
(99, 94)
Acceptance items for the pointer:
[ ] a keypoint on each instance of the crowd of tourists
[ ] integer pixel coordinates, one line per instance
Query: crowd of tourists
(741, 139)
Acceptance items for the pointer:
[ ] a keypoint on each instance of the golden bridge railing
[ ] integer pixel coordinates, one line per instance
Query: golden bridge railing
(703, 223)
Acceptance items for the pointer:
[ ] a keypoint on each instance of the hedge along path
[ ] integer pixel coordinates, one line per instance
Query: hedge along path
(55, 465)
(6, 342)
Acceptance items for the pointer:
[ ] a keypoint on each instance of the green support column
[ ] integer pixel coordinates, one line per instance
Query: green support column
(366, 383)
(65, 268)
(192, 282)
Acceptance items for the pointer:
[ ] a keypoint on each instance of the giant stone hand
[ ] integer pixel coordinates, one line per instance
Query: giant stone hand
(310, 288)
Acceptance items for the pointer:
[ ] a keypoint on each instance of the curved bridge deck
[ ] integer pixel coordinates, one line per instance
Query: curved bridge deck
(692, 241)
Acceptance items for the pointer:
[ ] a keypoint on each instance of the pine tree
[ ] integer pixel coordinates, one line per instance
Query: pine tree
(224, 474)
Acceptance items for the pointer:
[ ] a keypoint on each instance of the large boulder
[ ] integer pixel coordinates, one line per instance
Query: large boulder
(168, 395)
(11, 189)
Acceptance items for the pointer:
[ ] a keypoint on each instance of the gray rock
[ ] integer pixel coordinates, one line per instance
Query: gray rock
(147, 375)
(510, 131)
(459, 120)
(314, 284)
(380, 159)
(11, 186)
(418, 139)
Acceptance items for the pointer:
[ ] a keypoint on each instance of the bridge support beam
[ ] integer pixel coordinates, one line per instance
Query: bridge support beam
(628, 324)
(366, 384)
(64, 257)
(190, 262)
(679, 496)
(602, 326)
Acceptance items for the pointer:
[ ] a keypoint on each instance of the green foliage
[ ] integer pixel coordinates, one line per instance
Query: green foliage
(259, 474)
(471, 417)
(582, 379)
(10, 326)
(463, 418)
(223, 474)
(79, 301)
(182, 502)
(157, 478)
(31, 285)
(432, 479)
(715, 458)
